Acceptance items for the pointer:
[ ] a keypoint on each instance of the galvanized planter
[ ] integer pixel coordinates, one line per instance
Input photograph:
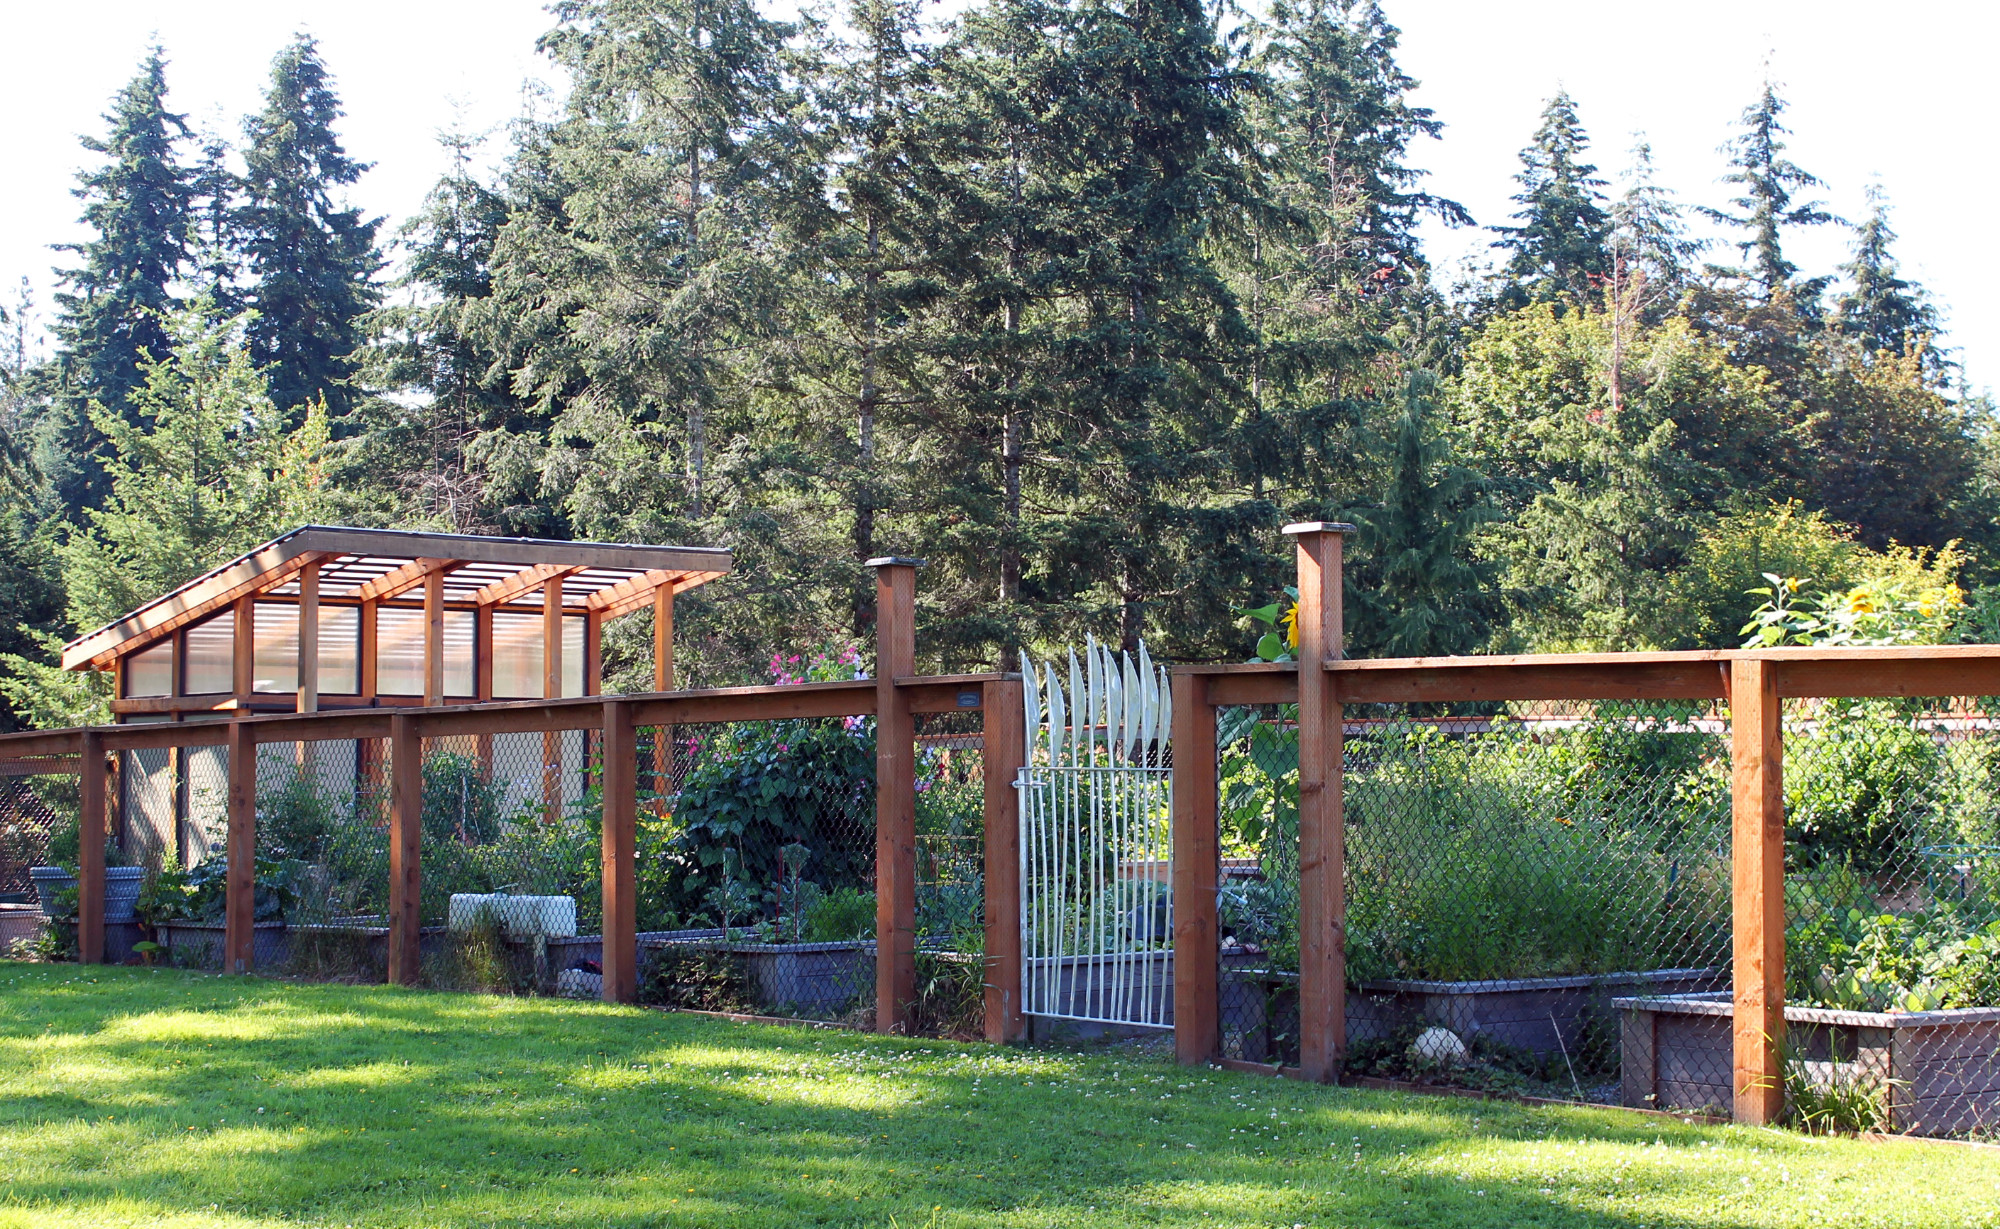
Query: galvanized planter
(121, 888)
(815, 979)
(1540, 1015)
(198, 945)
(1940, 1069)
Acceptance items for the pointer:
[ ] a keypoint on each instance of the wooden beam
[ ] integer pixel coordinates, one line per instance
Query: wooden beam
(404, 578)
(406, 803)
(90, 850)
(243, 652)
(663, 638)
(552, 646)
(1197, 1028)
(369, 672)
(245, 578)
(434, 638)
(1696, 676)
(1003, 753)
(1322, 840)
(308, 682)
(507, 588)
(240, 885)
(632, 593)
(620, 849)
(895, 797)
(593, 653)
(1758, 888)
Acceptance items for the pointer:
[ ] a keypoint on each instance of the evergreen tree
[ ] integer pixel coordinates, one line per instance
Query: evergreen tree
(1422, 590)
(109, 316)
(1561, 244)
(623, 286)
(1331, 266)
(206, 470)
(311, 260)
(424, 445)
(1881, 310)
(1768, 182)
(1649, 233)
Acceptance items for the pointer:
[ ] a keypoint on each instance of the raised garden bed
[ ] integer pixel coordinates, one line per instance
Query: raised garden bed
(1939, 1071)
(1538, 1015)
(198, 945)
(788, 978)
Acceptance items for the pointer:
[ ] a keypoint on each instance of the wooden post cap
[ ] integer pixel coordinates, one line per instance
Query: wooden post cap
(1319, 527)
(894, 561)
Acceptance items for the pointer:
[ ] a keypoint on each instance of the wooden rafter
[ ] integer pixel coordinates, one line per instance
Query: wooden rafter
(404, 578)
(638, 587)
(507, 588)
(224, 599)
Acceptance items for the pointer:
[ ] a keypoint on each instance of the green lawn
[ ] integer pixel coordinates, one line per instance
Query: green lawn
(132, 1097)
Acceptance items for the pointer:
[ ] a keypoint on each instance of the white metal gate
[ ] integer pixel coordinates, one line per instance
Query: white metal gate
(1096, 854)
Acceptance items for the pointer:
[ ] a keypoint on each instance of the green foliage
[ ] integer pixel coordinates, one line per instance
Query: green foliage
(1843, 951)
(202, 894)
(843, 913)
(1868, 787)
(1561, 244)
(1525, 854)
(311, 261)
(754, 789)
(696, 979)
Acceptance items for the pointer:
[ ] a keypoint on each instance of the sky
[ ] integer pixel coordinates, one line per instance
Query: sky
(1904, 96)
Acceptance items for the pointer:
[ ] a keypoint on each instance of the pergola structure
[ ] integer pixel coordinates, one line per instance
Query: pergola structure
(327, 617)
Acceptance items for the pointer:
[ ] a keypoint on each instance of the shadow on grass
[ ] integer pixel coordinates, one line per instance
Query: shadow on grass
(169, 1093)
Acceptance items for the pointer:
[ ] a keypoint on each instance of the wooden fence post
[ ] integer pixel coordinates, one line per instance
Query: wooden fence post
(1197, 1033)
(895, 796)
(1758, 881)
(90, 849)
(1004, 752)
(1322, 835)
(239, 934)
(406, 816)
(621, 802)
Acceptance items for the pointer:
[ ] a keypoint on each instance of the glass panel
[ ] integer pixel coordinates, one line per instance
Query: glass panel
(210, 653)
(517, 656)
(276, 665)
(151, 673)
(339, 650)
(459, 628)
(572, 656)
(399, 651)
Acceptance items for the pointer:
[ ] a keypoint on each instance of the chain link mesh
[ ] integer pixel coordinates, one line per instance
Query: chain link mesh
(1892, 902)
(756, 867)
(951, 875)
(1257, 897)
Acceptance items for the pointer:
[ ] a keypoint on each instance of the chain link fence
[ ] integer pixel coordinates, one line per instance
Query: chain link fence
(1257, 893)
(756, 867)
(951, 875)
(1892, 904)
(38, 828)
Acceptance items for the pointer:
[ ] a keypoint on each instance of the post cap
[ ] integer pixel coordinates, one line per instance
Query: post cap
(888, 561)
(1319, 527)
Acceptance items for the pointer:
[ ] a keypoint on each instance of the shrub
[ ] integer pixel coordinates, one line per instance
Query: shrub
(755, 789)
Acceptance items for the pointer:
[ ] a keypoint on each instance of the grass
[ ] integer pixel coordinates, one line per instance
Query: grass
(168, 1098)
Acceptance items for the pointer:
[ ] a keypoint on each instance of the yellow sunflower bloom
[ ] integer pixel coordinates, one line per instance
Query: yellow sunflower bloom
(1291, 622)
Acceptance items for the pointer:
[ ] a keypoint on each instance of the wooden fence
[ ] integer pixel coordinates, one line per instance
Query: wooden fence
(1752, 683)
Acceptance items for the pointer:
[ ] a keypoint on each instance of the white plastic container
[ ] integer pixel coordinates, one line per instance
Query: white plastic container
(520, 917)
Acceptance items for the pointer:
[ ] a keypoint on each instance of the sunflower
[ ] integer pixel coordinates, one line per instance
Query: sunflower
(1291, 622)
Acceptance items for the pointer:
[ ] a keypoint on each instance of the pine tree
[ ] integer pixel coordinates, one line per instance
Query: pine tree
(311, 260)
(1882, 310)
(108, 318)
(1561, 244)
(1768, 183)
